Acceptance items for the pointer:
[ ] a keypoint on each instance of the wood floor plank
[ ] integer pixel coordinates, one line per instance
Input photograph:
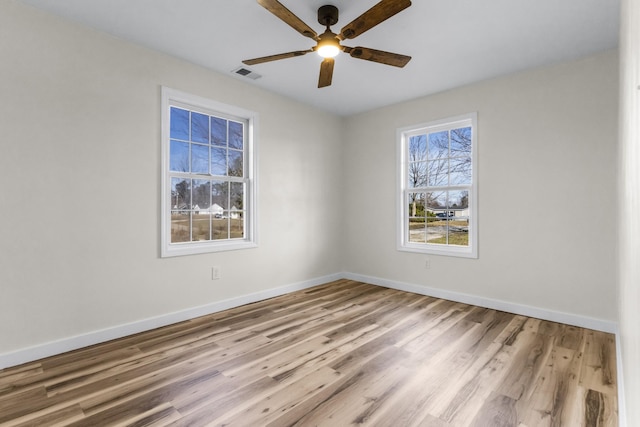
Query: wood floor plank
(339, 354)
(356, 401)
(599, 371)
(527, 361)
(412, 401)
(549, 396)
(156, 417)
(22, 403)
(60, 417)
(273, 405)
(11, 380)
(218, 404)
(437, 328)
(331, 352)
(598, 409)
(167, 387)
(473, 388)
(74, 366)
(335, 405)
(109, 385)
(497, 411)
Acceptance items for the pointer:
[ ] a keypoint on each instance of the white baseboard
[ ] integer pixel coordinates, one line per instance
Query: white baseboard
(73, 343)
(510, 307)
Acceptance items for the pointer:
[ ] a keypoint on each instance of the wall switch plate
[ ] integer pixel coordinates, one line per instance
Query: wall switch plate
(427, 263)
(215, 273)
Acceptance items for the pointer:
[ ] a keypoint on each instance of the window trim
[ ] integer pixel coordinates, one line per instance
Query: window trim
(402, 136)
(172, 97)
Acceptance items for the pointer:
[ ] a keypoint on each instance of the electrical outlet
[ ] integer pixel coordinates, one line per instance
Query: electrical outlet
(215, 273)
(427, 263)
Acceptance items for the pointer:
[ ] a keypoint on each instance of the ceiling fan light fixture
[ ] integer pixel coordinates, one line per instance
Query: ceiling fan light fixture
(328, 43)
(328, 51)
(328, 46)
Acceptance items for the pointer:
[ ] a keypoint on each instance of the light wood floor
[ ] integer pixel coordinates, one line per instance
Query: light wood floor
(341, 354)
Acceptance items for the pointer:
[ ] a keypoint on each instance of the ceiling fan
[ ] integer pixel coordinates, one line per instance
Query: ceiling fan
(328, 43)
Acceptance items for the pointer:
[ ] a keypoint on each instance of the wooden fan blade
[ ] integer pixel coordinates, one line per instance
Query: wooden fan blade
(270, 58)
(275, 7)
(380, 56)
(372, 17)
(326, 72)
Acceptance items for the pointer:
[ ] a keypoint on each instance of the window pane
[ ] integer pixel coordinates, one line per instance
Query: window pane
(201, 226)
(218, 161)
(460, 170)
(235, 163)
(218, 131)
(458, 202)
(437, 217)
(180, 193)
(438, 172)
(179, 156)
(220, 226)
(201, 194)
(199, 128)
(461, 142)
(436, 201)
(236, 135)
(417, 174)
(237, 196)
(179, 124)
(438, 146)
(418, 148)
(199, 158)
(458, 232)
(417, 217)
(219, 196)
(180, 226)
(236, 225)
(216, 210)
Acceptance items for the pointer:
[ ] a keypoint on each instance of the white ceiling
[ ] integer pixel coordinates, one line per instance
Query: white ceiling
(452, 42)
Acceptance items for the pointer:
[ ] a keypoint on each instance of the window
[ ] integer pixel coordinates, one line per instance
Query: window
(437, 200)
(208, 178)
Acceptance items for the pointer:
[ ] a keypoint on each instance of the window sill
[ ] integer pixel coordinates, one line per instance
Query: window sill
(461, 252)
(191, 248)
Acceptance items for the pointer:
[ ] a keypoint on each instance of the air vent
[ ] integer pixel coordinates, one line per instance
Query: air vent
(245, 72)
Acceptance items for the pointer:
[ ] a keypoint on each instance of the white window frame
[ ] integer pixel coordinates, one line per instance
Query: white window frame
(176, 98)
(402, 137)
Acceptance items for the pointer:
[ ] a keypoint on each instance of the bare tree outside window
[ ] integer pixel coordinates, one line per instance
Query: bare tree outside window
(202, 147)
(438, 181)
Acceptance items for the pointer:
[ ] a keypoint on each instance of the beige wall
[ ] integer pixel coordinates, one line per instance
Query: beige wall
(80, 173)
(629, 166)
(547, 190)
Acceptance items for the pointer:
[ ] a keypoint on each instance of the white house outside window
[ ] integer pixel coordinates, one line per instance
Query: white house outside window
(437, 200)
(208, 199)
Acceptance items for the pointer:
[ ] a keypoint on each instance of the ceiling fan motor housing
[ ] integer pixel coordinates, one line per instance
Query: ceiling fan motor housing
(328, 15)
